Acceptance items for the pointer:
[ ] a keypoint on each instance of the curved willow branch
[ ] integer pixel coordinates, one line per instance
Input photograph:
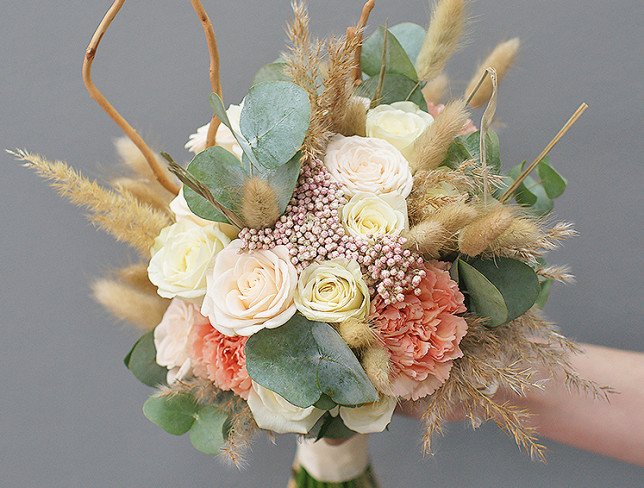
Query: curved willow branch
(161, 175)
(215, 79)
(359, 30)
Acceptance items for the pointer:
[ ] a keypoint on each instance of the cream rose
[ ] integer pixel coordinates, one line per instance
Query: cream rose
(372, 417)
(225, 138)
(332, 291)
(250, 290)
(367, 214)
(366, 164)
(273, 412)
(181, 211)
(172, 338)
(182, 255)
(400, 124)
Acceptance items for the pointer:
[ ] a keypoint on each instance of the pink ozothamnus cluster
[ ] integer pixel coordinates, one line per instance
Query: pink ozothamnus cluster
(312, 231)
(422, 332)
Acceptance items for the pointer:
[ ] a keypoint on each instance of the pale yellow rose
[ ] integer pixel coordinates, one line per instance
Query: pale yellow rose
(332, 291)
(371, 417)
(182, 256)
(367, 214)
(224, 137)
(400, 124)
(367, 164)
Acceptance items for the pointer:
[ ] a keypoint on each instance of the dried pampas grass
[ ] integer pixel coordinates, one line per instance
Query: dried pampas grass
(501, 59)
(117, 212)
(356, 333)
(479, 235)
(434, 90)
(376, 363)
(145, 192)
(259, 207)
(144, 309)
(426, 238)
(431, 147)
(442, 38)
(136, 275)
(354, 120)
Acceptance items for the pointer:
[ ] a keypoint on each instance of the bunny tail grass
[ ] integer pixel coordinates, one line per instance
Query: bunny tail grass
(501, 59)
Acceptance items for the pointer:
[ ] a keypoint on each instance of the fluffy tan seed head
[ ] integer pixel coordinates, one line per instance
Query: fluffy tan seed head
(426, 238)
(523, 233)
(354, 120)
(481, 233)
(501, 59)
(455, 216)
(259, 206)
(376, 364)
(434, 91)
(356, 333)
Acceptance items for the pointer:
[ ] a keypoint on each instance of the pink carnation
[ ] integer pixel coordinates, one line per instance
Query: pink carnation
(220, 359)
(422, 333)
(435, 109)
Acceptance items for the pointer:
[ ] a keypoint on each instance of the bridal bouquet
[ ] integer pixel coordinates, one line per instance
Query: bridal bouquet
(341, 243)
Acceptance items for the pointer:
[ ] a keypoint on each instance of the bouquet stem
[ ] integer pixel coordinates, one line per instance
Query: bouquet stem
(320, 464)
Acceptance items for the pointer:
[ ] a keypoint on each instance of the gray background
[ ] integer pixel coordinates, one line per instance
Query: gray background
(70, 413)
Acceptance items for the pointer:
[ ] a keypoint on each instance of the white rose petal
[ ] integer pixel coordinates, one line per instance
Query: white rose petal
(172, 338)
(332, 291)
(400, 124)
(182, 255)
(367, 214)
(273, 412)
(366, 164)
(224, 136)
(250, 290)
(372, 417)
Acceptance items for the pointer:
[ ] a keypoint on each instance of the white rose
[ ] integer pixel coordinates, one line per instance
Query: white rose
(400, 123)
(368, 214)
(367, 164)
(273, 412)
(332, 291)
(172, 338)
(372, 417)
(181, 211)
(250, 290)
(182, 255)
(224, 137)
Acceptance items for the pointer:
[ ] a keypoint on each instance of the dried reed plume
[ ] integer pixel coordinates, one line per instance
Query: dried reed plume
(501, 59)
(442, 38)
(144, 191)
(435, 89)
(141, 308)
(116, 212)
(427, 194)
(259, 207)
(426, 238)
(454, 216)
(482, 232)
(431, 147)
(356, 333)
(354, 119)
(376, 363)
(556, 273)
(136, 275)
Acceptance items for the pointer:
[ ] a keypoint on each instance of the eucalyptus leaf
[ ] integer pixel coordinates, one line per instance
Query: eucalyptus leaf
(396, 59)
(410, 36)
(499, 289)
(274, 120)
(141, 361)
(283, 180)
(218, 108)
(174, 413)
(223, 174)
(271, 72)
(209, 430)
(330, 427)
(544, 292)
(303, 360)
(465, 148)
(396, 88)
(553, 183)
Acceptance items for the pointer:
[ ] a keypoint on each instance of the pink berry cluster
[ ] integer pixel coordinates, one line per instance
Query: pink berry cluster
(312, 230)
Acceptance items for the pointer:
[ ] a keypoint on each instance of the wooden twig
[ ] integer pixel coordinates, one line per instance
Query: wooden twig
(359, 31)
(162, 176)
(215, 78)
(508, 193)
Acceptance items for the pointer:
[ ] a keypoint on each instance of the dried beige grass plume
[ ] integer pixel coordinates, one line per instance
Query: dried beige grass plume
(434, 90)
(354, 119)
(454, 216)
(141, 308)
(136, 275)
(431, 147)
(356, 333)
(442, 38)
(501, 59)
(259, 207)
(375, 361)
(482, 232)
(145, 192)
(426, 238)
(117, 212)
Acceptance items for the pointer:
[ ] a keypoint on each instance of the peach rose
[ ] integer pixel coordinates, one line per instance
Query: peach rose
(422, 333)
(250, 290)
(220, 359)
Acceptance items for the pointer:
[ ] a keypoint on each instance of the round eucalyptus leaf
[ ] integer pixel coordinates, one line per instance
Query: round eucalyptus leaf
(209, 430)
(410, 36)
(141, 361)
(396, 88)
(174, 413)
(396, 59)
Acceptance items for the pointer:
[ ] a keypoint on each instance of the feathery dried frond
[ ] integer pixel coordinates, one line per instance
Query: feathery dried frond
(434, 90)
(136, 275)
(557, 273)
(426, 238)
(354, 119)
(479, 235)
(356, 333)
(376, 363)
(145, 192)
(259, 206)
(442, 38)
(117, 212)
(434, 189)
(501, 59)
(454, 216)
(144, 309)
(432, 145)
